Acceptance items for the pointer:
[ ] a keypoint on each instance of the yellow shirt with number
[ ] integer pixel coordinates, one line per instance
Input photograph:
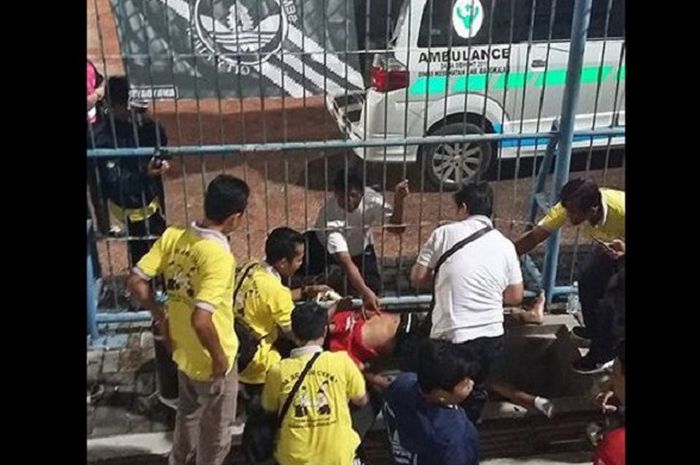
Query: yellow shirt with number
(199, 271)
(317, 428)
(612, 225)
(265, 304)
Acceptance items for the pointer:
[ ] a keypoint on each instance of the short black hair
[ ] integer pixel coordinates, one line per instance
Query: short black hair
(621, 355)
(225, 196)
(582, 193)
(309, 321)
(477, 196)
(282, 243)
(118, 90)
(438, 367)
(354, 178)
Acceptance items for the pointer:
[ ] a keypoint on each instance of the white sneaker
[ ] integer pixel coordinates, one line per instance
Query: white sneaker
(608, 366)
(545, 406)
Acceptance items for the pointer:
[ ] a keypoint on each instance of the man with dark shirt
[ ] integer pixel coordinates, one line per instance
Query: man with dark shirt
(131, 187)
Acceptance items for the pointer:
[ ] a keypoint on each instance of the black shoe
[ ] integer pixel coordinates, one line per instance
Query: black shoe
(588, 365)
(581, 332)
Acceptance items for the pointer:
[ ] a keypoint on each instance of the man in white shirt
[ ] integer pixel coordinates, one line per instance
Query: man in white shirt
(343, 232)
(472, 285)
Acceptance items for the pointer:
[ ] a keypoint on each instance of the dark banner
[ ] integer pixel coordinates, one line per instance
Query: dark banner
(238, 48)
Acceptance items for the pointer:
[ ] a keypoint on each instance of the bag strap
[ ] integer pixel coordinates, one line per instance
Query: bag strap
(239, 318)
(449, 253)
(295, 388)
(242, 278)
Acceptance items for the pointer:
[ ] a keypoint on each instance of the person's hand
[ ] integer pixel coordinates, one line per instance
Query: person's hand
(342, 305)
(158, 167)
(616, 248)
(219, 366)
(99, 92)
(370, 302)
(401, 190)
(602, 401)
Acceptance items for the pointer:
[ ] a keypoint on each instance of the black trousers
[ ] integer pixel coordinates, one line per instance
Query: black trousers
(484, 350)
(317, 259)
(602, 295)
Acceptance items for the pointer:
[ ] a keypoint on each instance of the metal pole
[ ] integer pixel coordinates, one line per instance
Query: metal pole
(579, 30)
(91, 294)
(345, 144)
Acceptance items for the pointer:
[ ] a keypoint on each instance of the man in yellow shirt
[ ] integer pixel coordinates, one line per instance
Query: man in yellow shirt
(197, 322)
(601, 212)
(317, 428)
(265, 304)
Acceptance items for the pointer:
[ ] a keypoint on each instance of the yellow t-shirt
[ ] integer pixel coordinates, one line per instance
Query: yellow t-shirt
(264, 303)
(199, 271)
(317, 428)
(613, 224)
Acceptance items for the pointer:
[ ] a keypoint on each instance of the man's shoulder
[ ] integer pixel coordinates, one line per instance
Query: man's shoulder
(372, 194)
(337, 362)
(405, 382)
(102, 133)
(147, 133)
(612, 196)
(266, 282)
(207, 247)
(173, 233)
(338, 357)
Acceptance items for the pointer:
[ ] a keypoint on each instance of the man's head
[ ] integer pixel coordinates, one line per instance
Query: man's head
(618, 373)
(284, 250)
(475, 199)
(582, 200)
(118, 96)
(225, 201)
(309, 322)
(444, 377)
(348, 189)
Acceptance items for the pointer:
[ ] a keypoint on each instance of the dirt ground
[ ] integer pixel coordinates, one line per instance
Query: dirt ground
(287, 188)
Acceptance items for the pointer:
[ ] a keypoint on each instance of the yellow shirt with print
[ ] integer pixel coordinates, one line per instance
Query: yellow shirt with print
(317, 428)
(613, 226)
(264, 303)
(199, 271)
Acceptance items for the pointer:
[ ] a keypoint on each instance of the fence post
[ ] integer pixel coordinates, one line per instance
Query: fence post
(91, 285)
(579, 31)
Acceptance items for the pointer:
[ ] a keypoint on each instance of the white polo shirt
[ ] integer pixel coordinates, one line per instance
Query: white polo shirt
(470, 284)
(355, 235)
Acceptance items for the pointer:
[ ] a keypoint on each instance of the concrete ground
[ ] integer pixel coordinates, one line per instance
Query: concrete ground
(151, 448)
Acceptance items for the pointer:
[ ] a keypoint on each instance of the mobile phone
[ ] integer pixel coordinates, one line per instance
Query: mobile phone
(158, 156)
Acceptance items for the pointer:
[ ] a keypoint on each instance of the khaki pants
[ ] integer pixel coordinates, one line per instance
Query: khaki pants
(205, 414)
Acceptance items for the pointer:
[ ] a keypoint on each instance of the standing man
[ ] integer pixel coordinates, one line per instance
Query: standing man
(344, 233)
(197, 321)
(131, 188)
(601, 211)
(471, 285)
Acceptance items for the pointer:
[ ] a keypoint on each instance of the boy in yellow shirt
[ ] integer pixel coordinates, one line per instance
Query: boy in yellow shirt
(317, 427)
(263, 304)
(197, 321)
